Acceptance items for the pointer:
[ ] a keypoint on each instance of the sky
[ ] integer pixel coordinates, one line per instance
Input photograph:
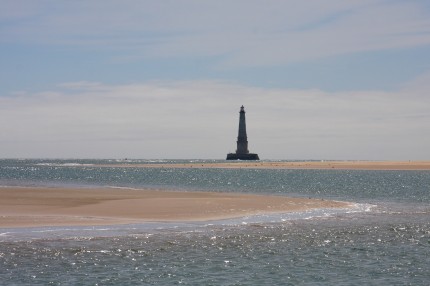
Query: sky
(320, 80)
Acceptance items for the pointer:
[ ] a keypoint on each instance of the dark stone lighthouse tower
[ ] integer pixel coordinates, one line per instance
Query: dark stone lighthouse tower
(242, 152)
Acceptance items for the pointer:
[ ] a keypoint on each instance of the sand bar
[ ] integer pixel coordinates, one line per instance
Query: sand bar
(330, 165)
(32, 206)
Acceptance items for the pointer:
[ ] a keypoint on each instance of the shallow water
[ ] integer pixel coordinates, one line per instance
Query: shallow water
(385, 240)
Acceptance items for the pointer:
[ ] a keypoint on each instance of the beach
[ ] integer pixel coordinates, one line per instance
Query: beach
(337, 165)
(41, 206)
(61, 206)
(194, 222)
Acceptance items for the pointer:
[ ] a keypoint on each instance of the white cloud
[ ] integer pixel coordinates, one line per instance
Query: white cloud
(198, 119)
(245, 33)
(418, 86)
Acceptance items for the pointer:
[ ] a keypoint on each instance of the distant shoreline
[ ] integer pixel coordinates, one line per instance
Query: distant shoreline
(42, 206)
(329, 165)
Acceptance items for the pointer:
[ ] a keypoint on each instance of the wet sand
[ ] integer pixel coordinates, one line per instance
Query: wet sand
(339, 165)
(33, 206)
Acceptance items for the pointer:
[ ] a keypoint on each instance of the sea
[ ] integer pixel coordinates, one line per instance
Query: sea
(383, 240)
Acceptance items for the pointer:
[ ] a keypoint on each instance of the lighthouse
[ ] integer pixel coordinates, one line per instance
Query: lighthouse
(242, 152)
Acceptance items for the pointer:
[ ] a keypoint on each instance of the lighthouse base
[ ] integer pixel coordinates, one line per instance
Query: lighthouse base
(248, 156)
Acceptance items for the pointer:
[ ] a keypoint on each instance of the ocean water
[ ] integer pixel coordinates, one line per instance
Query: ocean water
(384, 240)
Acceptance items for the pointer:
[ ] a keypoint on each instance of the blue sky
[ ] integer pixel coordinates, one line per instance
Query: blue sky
(165, 79)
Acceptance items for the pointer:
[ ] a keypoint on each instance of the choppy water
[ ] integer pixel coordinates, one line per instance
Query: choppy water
(384, 241)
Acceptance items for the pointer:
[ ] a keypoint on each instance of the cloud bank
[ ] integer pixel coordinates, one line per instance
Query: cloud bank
(199, 119)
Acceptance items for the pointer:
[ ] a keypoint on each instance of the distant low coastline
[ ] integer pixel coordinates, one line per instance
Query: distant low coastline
(329, 165)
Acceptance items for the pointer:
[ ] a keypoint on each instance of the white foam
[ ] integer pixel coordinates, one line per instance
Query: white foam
(63, 164)
(31, 233)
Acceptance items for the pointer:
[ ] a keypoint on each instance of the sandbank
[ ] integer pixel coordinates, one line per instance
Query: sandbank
(329, 165)
(36, 206)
